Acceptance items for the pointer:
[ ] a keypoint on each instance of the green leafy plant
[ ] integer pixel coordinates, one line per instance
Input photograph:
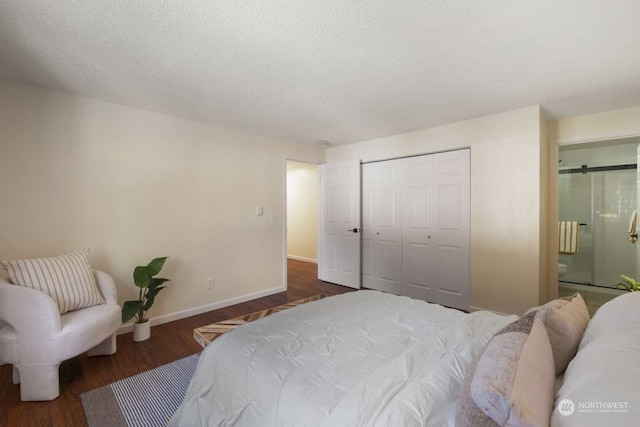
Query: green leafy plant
(149, 288)
(629, 283)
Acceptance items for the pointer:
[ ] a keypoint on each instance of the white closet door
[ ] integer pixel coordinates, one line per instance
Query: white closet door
(436, 229)
(339, 248)
(452, 224)
(382, 184)
(417, 230)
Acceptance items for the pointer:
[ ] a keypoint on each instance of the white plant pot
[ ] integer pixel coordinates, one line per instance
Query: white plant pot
(141, 331)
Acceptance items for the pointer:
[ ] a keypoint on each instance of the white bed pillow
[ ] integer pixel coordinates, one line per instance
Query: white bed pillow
(600, 385)
(67, 279)
(621, 314)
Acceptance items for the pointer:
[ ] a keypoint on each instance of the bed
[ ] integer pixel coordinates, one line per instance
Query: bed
(373, 359)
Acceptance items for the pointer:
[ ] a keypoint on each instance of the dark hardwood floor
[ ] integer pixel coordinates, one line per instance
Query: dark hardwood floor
(168, 342)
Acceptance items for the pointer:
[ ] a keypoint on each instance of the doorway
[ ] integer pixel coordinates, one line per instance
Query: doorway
(302, 197)
(598, 193)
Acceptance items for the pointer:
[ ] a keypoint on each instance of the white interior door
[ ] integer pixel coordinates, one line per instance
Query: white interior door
(339, 252)
(382, 184)
(436, 229)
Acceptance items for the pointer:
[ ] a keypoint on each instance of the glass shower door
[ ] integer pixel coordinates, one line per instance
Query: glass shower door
(614, 202)
(602, 202)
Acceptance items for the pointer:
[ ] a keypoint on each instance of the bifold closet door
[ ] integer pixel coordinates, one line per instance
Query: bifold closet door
(436, 228)
(382, 184)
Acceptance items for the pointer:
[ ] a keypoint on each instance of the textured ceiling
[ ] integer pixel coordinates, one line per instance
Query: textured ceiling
(336, 70)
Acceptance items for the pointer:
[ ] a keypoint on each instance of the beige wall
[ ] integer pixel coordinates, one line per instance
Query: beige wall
(596, 127)
(509, 265)
(302, 211)
(133, 185)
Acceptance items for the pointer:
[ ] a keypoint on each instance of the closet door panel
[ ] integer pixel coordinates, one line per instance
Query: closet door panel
(435, 217)
(449, 207)
(387, 208)
(417, 246)
(381, 230)
(388, 270)
(417, 275)
(450, 277)
(418, 204)
(451, 234)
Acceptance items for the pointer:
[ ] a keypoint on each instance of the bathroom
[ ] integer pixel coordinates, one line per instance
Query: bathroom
(597, 187)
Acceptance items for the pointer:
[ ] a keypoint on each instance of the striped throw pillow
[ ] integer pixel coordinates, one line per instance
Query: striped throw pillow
(68, 279)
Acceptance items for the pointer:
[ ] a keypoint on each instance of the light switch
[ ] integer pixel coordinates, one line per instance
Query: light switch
(273, 217)
(259, 211)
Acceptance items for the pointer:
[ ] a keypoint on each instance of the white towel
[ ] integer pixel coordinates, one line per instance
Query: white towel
(568, 237)
(633, 234)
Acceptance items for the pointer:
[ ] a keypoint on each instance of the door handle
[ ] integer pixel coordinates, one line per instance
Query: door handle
(354, 230)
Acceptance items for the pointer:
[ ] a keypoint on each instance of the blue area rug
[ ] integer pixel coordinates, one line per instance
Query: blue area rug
(148, 399)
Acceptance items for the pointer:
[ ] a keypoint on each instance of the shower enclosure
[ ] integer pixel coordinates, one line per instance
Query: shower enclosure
(602, 199)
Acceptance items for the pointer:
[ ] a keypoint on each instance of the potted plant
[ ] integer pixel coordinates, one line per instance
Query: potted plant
(149, 286)
(629, 284)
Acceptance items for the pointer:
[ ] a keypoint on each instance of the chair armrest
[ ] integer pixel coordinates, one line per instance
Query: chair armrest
(106, 286)
(28, 311)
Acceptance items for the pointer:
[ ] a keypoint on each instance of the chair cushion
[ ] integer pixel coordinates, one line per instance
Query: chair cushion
(512, 382)
(67, 279)
(84, 329)
(80, 331)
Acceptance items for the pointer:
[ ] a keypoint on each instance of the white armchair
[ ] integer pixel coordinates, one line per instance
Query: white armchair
(35, 338)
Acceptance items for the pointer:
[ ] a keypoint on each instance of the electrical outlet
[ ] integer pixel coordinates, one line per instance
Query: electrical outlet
(210, 283)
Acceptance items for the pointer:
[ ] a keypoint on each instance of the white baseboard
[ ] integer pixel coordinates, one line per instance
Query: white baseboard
(166, 318)
(301, 258)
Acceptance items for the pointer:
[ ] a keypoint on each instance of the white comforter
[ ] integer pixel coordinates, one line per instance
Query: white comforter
(359, 359)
